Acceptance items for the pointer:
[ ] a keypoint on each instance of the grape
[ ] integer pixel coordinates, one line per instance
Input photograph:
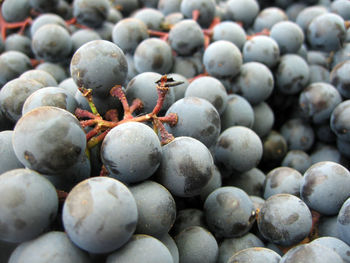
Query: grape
(141, 248)
(56, 70)
(50, 96)
(282, 180)
(13, 64)
(99, 65)
(173, 18)
(186, 218)
(186, 166)
(304, 18)
(292, 74)
(52, 43)
(48, 140)
(324, 133)
(222, 59)
(274, 148)
(325, 177)
(339, 120)
(243, 10)
(151, 17)
(261, 49)
(143, 87)
(197, 118)
(284, 219)
(326, 32)
(8, 159)
(268, 17)
(15, 10)
(114, 15)
(169, 242)
(319, 74)
(308, 253)
(47, 18)
(340, 79)
(153, 54)
(294, 9)
(288, 35)
(13, 95)
(214, 183)
(45, 78)
(169, 6)
(335, 244)
(229, 246)
(341, 55)
(264, 119)
(179, 40)
(229, 212)
(156, 208)
(258, 255)
(29, 204)
(298, 160)
(324, 152)
(82, 36)
(53, 246)
(238, 149)
(100, 214)
(17, 42)
(206, 10)
(90, 13)
(252, 181)
(230, 31)
(188, 66)
(128, 33)
(105, 31)
(180, 90)
(298, 134)
(131, 152)
(196, 245)
(255, 82)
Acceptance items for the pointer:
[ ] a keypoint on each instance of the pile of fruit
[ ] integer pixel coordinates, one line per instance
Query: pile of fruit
(174, 131)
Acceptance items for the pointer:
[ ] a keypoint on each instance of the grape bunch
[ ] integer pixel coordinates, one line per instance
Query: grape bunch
(174, 131)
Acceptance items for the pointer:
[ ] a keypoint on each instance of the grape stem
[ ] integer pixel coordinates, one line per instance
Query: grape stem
(102, 126)
(4, 25)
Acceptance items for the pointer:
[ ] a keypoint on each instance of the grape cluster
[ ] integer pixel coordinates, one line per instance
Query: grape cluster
(174, 131)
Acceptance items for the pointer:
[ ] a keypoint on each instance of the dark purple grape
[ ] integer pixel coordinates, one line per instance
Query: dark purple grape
(326, 32)
(152, 17)
(243, 11)
(52, 246)
(180, 41)
(156, 208)
(255, 82)
(15, 10)
(268, 17)
(261, 49)
(188, 66)
(288, 35)
(128, 33)
(186, 166)
(339, 120)
(292, 74)
(13, 95)
(126, 6)
(284, 219)
(238, 111)
(186, 218)
(229, 246)
(8, 159)
(197, 118)
(50, 96)
(44, 5)
(29, 204)
(214, 183)
(274, 149)
(327, 226)
(325, 177)
(256, 254)
(325, 152)
(99, 65)
(319, 74)
(230, 31)
(229, 212)
(131, 152)
(222, 59)
(13, 64)
(206, 10)
(141, 248)
(196, 245)
(49, 140)
(309, 253)
(238, 149)
(153, 54)
(282, 180)
(100, 214)
(45, 78)
(90, 13)
(298, 160)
